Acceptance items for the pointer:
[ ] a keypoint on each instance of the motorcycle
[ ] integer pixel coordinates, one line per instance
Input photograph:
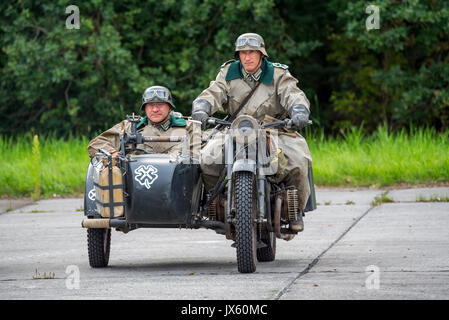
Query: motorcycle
(139, 189)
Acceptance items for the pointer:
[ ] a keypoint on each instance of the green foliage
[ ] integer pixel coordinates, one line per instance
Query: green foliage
(36, 174)
(85, 80)
(59, 164)
(417, 156)
(82, 81)
(398, 74)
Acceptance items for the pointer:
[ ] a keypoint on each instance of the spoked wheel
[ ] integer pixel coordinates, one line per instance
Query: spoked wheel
(99, 246)
(246, 232)
(267, 253)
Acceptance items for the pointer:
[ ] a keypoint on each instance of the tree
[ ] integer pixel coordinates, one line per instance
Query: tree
(397, 74)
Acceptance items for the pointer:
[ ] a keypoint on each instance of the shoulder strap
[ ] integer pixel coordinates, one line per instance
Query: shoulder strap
(231, 118)
(244, 102)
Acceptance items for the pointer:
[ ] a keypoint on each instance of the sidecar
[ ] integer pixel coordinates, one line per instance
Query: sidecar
(138, 191)
(157, 188)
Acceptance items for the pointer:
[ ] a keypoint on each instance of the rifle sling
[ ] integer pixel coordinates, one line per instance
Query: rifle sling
(230, 118)
(244, 103)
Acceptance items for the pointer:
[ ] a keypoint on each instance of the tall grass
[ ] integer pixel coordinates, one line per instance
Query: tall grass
(418, 156)
(36, 169)
(61, 166)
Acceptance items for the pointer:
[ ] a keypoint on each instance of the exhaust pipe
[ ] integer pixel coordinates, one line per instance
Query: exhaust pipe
(103, 223)
(277, 221)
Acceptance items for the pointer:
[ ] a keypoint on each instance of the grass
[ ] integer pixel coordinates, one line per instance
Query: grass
(383, 198)
(58, 166)
(420, 157)
(433, 198)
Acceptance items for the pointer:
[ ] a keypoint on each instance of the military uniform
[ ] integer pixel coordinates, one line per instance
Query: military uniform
(274, 97)
(173, 126)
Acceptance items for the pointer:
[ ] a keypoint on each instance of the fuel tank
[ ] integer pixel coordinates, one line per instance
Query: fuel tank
(160, 189)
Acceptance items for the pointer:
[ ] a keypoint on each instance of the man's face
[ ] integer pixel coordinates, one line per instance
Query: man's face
(250, 59)
(157, 111)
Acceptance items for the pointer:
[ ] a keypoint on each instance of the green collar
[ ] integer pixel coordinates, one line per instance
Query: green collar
(177, 122)
(235, 71)
(174, 122)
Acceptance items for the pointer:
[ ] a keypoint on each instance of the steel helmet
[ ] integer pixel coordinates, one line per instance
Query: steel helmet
(157, 94)
(250, 41)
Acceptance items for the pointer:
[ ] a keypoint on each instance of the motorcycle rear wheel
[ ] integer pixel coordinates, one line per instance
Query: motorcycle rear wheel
(246, 232)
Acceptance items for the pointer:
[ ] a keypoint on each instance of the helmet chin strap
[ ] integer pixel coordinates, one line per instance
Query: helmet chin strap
(260, 61)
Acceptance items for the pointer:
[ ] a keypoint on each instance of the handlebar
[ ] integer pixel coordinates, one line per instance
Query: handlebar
(163, 139)
(214, 121)
(106, 153)
(287, 123)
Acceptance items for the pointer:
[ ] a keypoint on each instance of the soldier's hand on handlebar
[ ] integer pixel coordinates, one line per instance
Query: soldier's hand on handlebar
(299, 121)
(299, 115)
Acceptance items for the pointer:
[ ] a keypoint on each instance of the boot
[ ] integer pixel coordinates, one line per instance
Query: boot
(298, 224)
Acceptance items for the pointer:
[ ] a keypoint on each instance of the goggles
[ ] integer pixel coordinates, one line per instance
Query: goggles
(150, 94)
(253, 42)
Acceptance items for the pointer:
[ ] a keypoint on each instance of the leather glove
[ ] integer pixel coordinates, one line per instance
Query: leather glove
(299, 115)
(201, 111)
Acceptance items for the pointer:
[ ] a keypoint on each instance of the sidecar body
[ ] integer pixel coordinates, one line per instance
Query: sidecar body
(159, 190)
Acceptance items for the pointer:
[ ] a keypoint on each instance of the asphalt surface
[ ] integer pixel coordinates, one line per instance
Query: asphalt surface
(350, 249)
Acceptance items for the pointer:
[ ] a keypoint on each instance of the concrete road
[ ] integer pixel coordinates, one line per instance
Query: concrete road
(350, 249)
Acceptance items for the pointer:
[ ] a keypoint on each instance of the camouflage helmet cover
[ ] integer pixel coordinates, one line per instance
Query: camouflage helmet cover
(157, 94)
(250, 41)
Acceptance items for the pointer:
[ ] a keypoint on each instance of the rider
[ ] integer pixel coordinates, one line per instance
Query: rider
(276, 95)
(160, 120)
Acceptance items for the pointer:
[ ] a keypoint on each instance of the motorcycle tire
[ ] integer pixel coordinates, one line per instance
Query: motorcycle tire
(246, 232)
(99, 246)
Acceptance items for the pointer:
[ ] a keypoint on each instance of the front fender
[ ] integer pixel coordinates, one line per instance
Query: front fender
(90, 206)
(248, 165)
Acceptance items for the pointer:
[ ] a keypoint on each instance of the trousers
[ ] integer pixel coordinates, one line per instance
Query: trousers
(293, 173)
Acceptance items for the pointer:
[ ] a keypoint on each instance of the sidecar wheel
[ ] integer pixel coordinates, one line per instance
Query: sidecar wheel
(245, 205)
(99, 246)
(267, 253)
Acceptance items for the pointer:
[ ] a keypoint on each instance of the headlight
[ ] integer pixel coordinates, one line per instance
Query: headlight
(244, 129)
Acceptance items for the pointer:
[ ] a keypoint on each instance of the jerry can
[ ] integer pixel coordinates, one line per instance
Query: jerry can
(109, 189)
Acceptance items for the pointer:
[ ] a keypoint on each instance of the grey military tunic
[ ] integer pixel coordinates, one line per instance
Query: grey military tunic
(277, 92)
(110, 139)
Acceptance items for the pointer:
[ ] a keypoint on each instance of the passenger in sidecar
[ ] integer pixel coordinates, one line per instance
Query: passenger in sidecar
(160, 120)
(144, 172)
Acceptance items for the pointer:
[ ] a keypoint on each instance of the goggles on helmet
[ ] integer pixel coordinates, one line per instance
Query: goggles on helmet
(150, 94)
(253, 42)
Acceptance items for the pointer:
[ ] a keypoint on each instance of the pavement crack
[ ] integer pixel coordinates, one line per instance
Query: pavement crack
(317, 259)
(6, 280)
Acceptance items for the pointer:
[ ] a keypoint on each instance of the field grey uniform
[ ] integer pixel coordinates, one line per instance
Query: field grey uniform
(174, 125)
(110, 139)
(277, 96)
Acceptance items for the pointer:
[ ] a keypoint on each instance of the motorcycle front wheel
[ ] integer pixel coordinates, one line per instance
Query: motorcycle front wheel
(246, 206)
